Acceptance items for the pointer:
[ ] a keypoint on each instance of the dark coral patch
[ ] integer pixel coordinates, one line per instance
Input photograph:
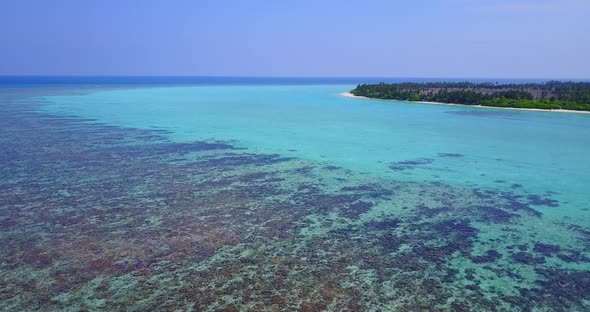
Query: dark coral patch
(410, 164)
(527, 258)
(303, 170)
(431, 212)
(458, 235)
(490, 256)
(370, 190)
(511, 201)
(496, 215)
(585, 232)
(518, 206)
(546, 249)
(450, 155)
(383, 225)
(244, 160)
(573, 256)
(559, 289)
(354, 210)
(324, 203)
(539, 201)
(457, 227)
(390, 242)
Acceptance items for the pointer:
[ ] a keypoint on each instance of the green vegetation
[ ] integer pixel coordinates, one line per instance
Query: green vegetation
(548, 95)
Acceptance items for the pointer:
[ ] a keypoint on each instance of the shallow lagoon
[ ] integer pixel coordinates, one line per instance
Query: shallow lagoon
(541, 151)
(266, 197)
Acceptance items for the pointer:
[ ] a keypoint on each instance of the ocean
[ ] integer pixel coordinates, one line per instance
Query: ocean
(263, 194)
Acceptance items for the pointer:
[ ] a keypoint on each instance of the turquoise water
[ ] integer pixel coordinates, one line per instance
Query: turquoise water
(541, 151)
(277, 195)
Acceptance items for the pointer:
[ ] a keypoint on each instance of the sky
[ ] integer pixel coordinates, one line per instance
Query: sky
(309, 38)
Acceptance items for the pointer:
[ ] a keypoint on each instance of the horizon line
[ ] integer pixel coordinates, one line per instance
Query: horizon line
(277, 77)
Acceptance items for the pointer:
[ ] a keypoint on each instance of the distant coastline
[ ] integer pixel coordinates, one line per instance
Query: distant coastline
(561, 96)
(348, 94)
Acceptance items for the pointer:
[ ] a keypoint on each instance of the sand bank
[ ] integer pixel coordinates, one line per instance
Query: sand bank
(348, 94)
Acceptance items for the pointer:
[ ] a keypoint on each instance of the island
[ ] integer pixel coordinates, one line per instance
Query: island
(551, 95)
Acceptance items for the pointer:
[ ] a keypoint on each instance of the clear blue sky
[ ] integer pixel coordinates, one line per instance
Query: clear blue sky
(422, 38)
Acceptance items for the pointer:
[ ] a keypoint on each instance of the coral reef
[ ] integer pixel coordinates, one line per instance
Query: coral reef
(97, 217)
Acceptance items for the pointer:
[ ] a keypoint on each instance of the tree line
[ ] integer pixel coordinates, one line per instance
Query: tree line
(547, 95)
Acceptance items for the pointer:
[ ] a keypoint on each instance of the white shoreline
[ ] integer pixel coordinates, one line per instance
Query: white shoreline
(348, 94)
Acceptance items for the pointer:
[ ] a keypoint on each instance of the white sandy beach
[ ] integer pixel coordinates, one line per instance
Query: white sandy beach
(348, 94)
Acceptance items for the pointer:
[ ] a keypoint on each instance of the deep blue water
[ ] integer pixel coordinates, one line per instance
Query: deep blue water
(188, 80)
